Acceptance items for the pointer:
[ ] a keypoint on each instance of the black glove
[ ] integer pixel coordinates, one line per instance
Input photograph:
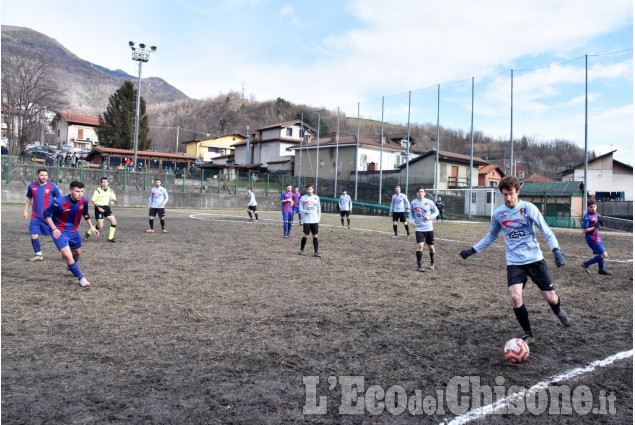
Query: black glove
(560, 261)
(467, 252)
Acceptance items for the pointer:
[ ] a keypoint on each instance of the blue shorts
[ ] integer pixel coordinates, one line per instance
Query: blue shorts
(596, 247)
(70, 239)
(39, 227)
(287, 216)
(296, 210)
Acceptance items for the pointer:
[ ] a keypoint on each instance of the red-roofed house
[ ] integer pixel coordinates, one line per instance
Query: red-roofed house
(454, 170)
(535, 177)
(270, 147)
(75, 129)
(490, 175)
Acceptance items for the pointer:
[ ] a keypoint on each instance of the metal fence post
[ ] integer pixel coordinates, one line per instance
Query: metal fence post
(218, 181)
(236, 182)
(267, 191)
(81, 172)
(165, 177)
(59, 164)
(8, 170)
(183, 189)
(145, 178)
(202, 178)
(125, 178)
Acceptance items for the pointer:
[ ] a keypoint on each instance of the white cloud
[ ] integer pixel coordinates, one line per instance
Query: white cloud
(288, 12)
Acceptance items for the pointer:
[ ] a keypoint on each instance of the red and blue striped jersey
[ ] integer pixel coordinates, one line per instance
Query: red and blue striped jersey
(296, 199)
(591, 220)
(287, 207)
(42, 196)
(67, 214)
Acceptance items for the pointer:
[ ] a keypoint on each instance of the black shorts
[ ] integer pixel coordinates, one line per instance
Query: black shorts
(427, 237)
(538, 272)
(253, 208)
(345, 213)
(312, 228)
(155, 211)
(101, 215)
(399, 216)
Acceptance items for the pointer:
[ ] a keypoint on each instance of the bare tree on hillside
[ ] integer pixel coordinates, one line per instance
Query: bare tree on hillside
(31, 95)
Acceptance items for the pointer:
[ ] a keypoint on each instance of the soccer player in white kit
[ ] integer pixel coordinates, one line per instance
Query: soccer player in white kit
(516, 219)
(311, 213)
(422, 212)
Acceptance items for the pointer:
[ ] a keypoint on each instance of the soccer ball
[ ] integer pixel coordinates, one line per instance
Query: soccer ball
(516, 350)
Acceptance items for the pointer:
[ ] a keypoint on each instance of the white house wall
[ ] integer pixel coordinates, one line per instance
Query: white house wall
(604, 180)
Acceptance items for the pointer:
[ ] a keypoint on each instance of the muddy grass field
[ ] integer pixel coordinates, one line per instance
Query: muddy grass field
(220, 321)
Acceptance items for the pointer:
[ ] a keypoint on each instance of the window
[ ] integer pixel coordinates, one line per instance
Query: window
(493, 183)
(289, 132)
(521, 174)
(80, 133)
(301, 133)
(493, 173)
(489, 197)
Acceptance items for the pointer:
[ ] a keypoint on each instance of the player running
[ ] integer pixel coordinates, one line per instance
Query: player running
(516, 219)
(590, 229)
(158, 199)
(310, 209)
(252, 205)
(287, 210)
(41, 193)
(398, 207)
(346, 206)
(64, 216)
(422, 212)
(103, 198)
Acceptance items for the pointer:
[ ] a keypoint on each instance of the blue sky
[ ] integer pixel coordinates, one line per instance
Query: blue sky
(337, 53)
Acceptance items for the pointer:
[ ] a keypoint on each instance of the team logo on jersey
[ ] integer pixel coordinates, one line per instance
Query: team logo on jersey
(510, 223)
(523, 211)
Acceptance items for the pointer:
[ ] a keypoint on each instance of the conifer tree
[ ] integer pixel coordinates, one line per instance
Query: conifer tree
(116, 128)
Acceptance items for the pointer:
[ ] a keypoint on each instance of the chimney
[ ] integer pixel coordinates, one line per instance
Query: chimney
(333, 136)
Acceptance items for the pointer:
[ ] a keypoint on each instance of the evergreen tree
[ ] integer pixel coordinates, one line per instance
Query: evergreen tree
(116, 125)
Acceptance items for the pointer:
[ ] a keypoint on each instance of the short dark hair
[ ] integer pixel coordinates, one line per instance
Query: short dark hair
(104, 178)
(420, 187)
(157, 180)
(309, 185)
(248, 188)
(508, 183)
(591, 202)
(343, 190)
(77, 184)
(42, 169)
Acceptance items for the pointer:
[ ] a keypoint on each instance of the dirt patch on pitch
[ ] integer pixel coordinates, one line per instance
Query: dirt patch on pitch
(219, 320)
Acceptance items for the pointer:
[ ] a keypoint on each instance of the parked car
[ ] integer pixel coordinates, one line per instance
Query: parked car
(68, 148)
(41, 156)
(37, 148)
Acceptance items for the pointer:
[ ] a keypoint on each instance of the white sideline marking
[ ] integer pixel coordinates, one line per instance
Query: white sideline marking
(277, 221)
(499, 404)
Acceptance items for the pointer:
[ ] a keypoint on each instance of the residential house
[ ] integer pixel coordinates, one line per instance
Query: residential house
(369, 154)
(490, 175)
(75, 129)
(559, 202)
(607, 178)
(269, 148)
(454, 170)
(112, 158)
(213, 147)
(535, 177)
(520, 171)
(408, 153)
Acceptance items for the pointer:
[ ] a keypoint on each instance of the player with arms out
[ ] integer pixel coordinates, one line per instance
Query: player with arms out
(422, 212)
(346, 206)
(158, 199)
(590, 226)
(42, 194)
(516, 219)
(252, 205)
(398, 207)
(64, 216)
(103, 198)
(310, 209)
(287, 210)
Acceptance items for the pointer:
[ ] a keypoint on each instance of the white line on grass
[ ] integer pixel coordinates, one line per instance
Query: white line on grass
(277, 222)
(566, 376)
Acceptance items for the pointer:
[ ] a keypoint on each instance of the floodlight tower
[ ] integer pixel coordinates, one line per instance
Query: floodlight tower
(139, 54)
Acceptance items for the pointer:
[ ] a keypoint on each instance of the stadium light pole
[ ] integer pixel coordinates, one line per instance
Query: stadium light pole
(141, 55)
